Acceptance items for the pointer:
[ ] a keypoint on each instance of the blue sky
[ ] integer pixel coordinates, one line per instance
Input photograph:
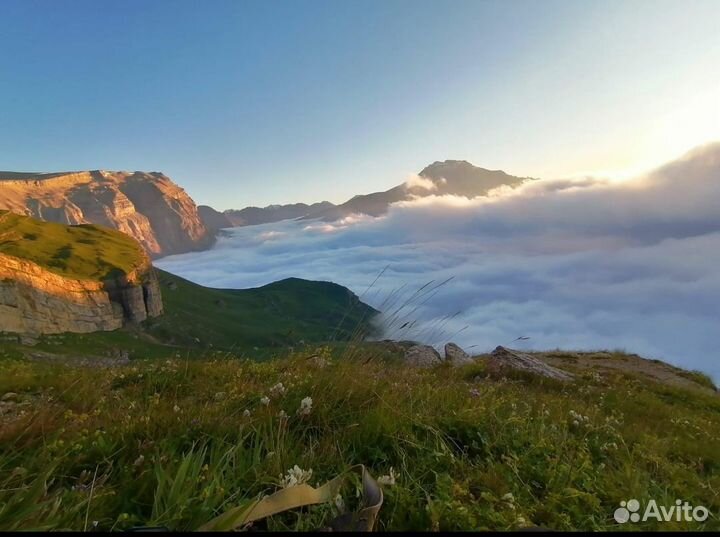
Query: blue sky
(261, 102)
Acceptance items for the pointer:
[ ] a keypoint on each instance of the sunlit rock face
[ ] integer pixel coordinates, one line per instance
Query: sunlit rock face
(36, 301)
(147, 206)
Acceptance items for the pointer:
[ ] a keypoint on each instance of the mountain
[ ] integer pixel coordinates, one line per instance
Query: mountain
(56, 278)
(450, 177)
(213, 219)
(147, 206)
(250, 216)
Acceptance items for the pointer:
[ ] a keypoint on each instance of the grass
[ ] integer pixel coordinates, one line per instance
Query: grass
(169, 443)
(280, 314)
(259, 323)
(85, 252)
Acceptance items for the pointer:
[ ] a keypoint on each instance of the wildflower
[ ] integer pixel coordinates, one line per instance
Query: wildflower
(139, 461)
(305, 406)
(278, 389)
(176, 408)
(246, 413)
(475, 392)
(509, 497)
(219, 396)
(389, 479)
(295, 476)
(265, 400)
(282, 414)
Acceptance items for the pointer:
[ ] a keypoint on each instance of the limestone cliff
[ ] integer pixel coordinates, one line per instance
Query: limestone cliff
(36, 301)
(147, 206)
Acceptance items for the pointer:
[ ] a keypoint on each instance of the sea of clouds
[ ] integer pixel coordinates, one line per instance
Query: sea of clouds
(575, 264)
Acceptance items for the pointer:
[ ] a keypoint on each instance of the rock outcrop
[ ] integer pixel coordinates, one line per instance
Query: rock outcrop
(503, 359)
(147, 206)
(455, 355)
(422, 356)
(35, 301)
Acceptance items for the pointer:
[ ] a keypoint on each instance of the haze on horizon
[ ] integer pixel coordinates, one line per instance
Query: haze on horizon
(260, 102)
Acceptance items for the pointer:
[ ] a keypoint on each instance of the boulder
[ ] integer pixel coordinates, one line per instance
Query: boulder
(422, 356)
(502, 359)
(455, 355)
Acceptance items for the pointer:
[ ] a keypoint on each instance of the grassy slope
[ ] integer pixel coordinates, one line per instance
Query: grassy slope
(470, 452)
(279, 314)
(261, 321)
(83, 252)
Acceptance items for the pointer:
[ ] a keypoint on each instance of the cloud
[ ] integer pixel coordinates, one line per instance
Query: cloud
(421, 183)
(581, 264)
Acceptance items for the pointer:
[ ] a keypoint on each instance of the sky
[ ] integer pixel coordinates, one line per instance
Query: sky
(258, 102)
(586, 264)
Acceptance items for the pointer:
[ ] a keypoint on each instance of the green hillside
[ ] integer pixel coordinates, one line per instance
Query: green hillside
(259, 322)
(85, 252)
(283, 313)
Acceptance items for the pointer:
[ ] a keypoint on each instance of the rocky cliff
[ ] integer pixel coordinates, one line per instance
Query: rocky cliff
(36, 301)
(147, 206)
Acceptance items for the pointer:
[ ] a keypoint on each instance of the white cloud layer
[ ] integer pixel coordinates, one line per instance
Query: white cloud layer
(574, 264)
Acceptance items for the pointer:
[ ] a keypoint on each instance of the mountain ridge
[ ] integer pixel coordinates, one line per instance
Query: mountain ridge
(148, 206)
(447, 177)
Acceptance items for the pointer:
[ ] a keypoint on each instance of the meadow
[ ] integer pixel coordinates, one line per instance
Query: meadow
(177, 442)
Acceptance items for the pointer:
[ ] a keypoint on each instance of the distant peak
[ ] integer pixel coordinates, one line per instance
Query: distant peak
(441, 168)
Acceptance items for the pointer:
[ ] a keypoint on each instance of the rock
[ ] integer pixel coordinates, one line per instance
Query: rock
(9, 396)
(148, 206)
(502, 359)
(35, 301)
(456, 355)
(422, 356)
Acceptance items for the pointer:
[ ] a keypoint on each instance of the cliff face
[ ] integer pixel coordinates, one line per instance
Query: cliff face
(36, 301)
(147, 206)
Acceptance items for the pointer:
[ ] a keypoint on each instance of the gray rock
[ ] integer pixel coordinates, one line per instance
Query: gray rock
(9, 396)
(456, 355)
(503, 359)
(422, 356)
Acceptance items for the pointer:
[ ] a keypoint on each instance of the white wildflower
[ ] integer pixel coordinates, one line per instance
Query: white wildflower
(278, 389)
(295, 476)
(176, 408)
(305, 406)
(282, 414)
(509, 497)
(389, 479)
(265, 400)
(246, 413)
